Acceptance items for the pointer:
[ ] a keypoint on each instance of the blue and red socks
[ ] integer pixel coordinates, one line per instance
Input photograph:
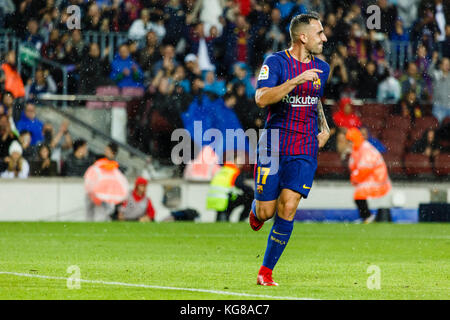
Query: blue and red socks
(278, 239)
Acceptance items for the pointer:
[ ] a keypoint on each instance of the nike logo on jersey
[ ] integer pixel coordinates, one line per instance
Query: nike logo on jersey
(305, 187)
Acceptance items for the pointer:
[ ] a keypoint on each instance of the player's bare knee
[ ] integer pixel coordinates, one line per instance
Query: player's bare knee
(287, 210)
(264, 213)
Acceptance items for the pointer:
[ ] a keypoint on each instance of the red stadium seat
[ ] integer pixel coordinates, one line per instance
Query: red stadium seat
(394, 164)
(95, 105)
(442, 164)
(380, 111)
(425, 123)
(394, 134)
(374, 125)
(133, 92)
(103, 91)
(398, 122)
(330, 164)
(107, 91)
(417, 165)
(394, 147)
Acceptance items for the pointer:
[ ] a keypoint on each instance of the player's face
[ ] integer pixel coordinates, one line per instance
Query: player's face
(315, 37)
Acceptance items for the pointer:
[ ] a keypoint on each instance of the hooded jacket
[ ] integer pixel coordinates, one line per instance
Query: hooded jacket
(341, 119)
(34, 126)
(368, 171)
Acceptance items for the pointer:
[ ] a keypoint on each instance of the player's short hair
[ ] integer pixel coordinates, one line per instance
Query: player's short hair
(299, 20)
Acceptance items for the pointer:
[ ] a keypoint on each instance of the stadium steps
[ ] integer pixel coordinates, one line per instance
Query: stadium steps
(94, 127)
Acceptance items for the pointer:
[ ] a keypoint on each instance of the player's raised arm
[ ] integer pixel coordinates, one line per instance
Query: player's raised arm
(266, 96)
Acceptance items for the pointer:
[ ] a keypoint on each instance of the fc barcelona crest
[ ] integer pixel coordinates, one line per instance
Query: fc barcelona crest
(259, 189)
(316, 84)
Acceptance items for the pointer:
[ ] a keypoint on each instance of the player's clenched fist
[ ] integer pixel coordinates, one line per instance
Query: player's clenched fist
(308, 75)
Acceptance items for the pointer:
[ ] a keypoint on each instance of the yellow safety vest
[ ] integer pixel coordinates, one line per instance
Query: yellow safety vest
(220, 187)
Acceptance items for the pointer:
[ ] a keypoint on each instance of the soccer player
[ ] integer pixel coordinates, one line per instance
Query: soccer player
(290, 84)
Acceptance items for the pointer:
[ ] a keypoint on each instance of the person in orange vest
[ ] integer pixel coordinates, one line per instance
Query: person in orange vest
(13, 81)
(368, 173)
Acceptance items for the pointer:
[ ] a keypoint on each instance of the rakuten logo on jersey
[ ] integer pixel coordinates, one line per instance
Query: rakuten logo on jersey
(299, 101)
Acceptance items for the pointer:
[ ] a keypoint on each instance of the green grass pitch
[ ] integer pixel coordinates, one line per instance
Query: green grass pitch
(321, 261)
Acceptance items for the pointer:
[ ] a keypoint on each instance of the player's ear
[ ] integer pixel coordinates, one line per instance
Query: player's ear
(303, 37)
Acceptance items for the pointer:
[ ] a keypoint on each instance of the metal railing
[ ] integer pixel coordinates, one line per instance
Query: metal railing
(47, 99)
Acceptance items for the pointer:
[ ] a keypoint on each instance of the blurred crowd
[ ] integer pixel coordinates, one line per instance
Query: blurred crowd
(178, 51)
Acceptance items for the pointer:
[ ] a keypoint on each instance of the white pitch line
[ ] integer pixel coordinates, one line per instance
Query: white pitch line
(114, 283)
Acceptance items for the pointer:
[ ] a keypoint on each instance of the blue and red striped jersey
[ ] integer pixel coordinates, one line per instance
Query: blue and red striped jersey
(296, 114)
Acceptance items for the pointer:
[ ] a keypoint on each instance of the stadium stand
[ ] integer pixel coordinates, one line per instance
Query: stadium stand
(169, 59)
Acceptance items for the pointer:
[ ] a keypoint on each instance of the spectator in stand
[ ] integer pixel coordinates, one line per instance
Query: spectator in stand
(157, 25)
(167, 58)
(425, 29)
(412, 81)
(11, 109)
(17, 166)
(124, 71)
(411, 103)
(285, 8)
(42, 83)
(32, 37)
(29, 152)
(148, 56)
(208, 12)
(388, 16)
(248, 113)
(446, 43)
(110, 152)
(140, 27)
(77, 163)
(138, 207)
(389, 89)
(50, 49)
(175, 15)
(442, 17)
(94, 70)
(43, 166)
(76, 41)
(202, 47)
(423, 63)
(213, 85)
(427, 145)
(368, 82)
(338, 78)
(6, 136)
(13, 80)
(60, 144)
(441, 89)
(31, 123)
(236, 37)
(407, 12)
(345, 117)
(400, 39)
(241, 75)
(192, 68)
(92, 19)
(275, 37)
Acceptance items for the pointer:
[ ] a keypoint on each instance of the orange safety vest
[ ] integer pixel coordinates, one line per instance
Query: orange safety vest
(369, 173)
(13, 81)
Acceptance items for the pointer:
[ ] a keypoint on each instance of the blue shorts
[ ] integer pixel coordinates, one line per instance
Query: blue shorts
(292, 172)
